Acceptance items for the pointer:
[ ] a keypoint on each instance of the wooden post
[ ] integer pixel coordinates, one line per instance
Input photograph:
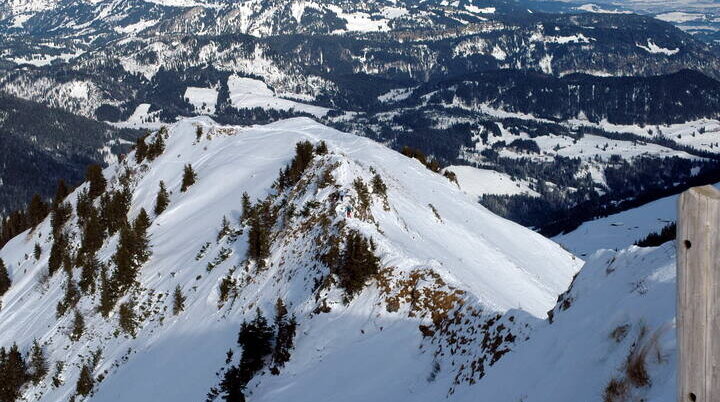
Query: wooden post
(698, 295)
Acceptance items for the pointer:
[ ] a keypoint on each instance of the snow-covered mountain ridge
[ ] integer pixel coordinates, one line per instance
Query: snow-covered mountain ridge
(457, 287)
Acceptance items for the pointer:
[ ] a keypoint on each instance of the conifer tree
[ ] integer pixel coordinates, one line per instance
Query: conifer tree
(378, 185)
(379, 188)
(78, 326)
(261, 220)
(70, 298)
(284, 336)
(363, 195)
(255, 338)
(37, 210)
(85, 382)
(60, 215)
(61, 192)
(178, 301)
(5, 281)
(126, 318)
(58, 252)
(90, 266)
(125, 261)
(291, 173)
(114, 209)
(224, 228)
(321, 148)
(162, 200)
(141, 242)
(107, 294)
(38, 365)
(141, 149)
(84, 205)
(158, 146)
(37, 251)
(96, 180)
(357, 264)
(198, 133)
(13, 373)
(93, 234)
(189, 178)
(13, 225)
(246, 207)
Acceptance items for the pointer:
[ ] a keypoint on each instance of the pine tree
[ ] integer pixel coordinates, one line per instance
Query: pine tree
(232, 386)
(255, 338)
(125, 261)
(37, 210)
(379, 188)
(84, 205)
(107, 294)
(141, 149)
(60, 215)
(5, 281)
(38, 363)
(85, 382)
(378, 185)
(198, 133)
(78, 327)
(246, 207)
(158, 146)
(93, 234)
(61, 192)
(58, 252)
(70, 298)
(358, 263)
(189, 177)
(162, 200)
(178, 301)
(114, 209)
(37, 251)
(142, 242)
(96, 180)
(261, 220)
(90, 266)
(363, 195)
(13, 374)
(284, 336)
(126, 318)
(321, 148)
(291, 173)
(224, 228)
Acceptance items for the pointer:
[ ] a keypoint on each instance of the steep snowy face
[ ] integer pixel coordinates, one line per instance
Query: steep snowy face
(443, 288)
(611, 337)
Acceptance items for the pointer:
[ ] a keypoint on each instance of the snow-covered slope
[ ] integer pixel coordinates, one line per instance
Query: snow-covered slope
(619, 309)
(451, 274)
(620, 230)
